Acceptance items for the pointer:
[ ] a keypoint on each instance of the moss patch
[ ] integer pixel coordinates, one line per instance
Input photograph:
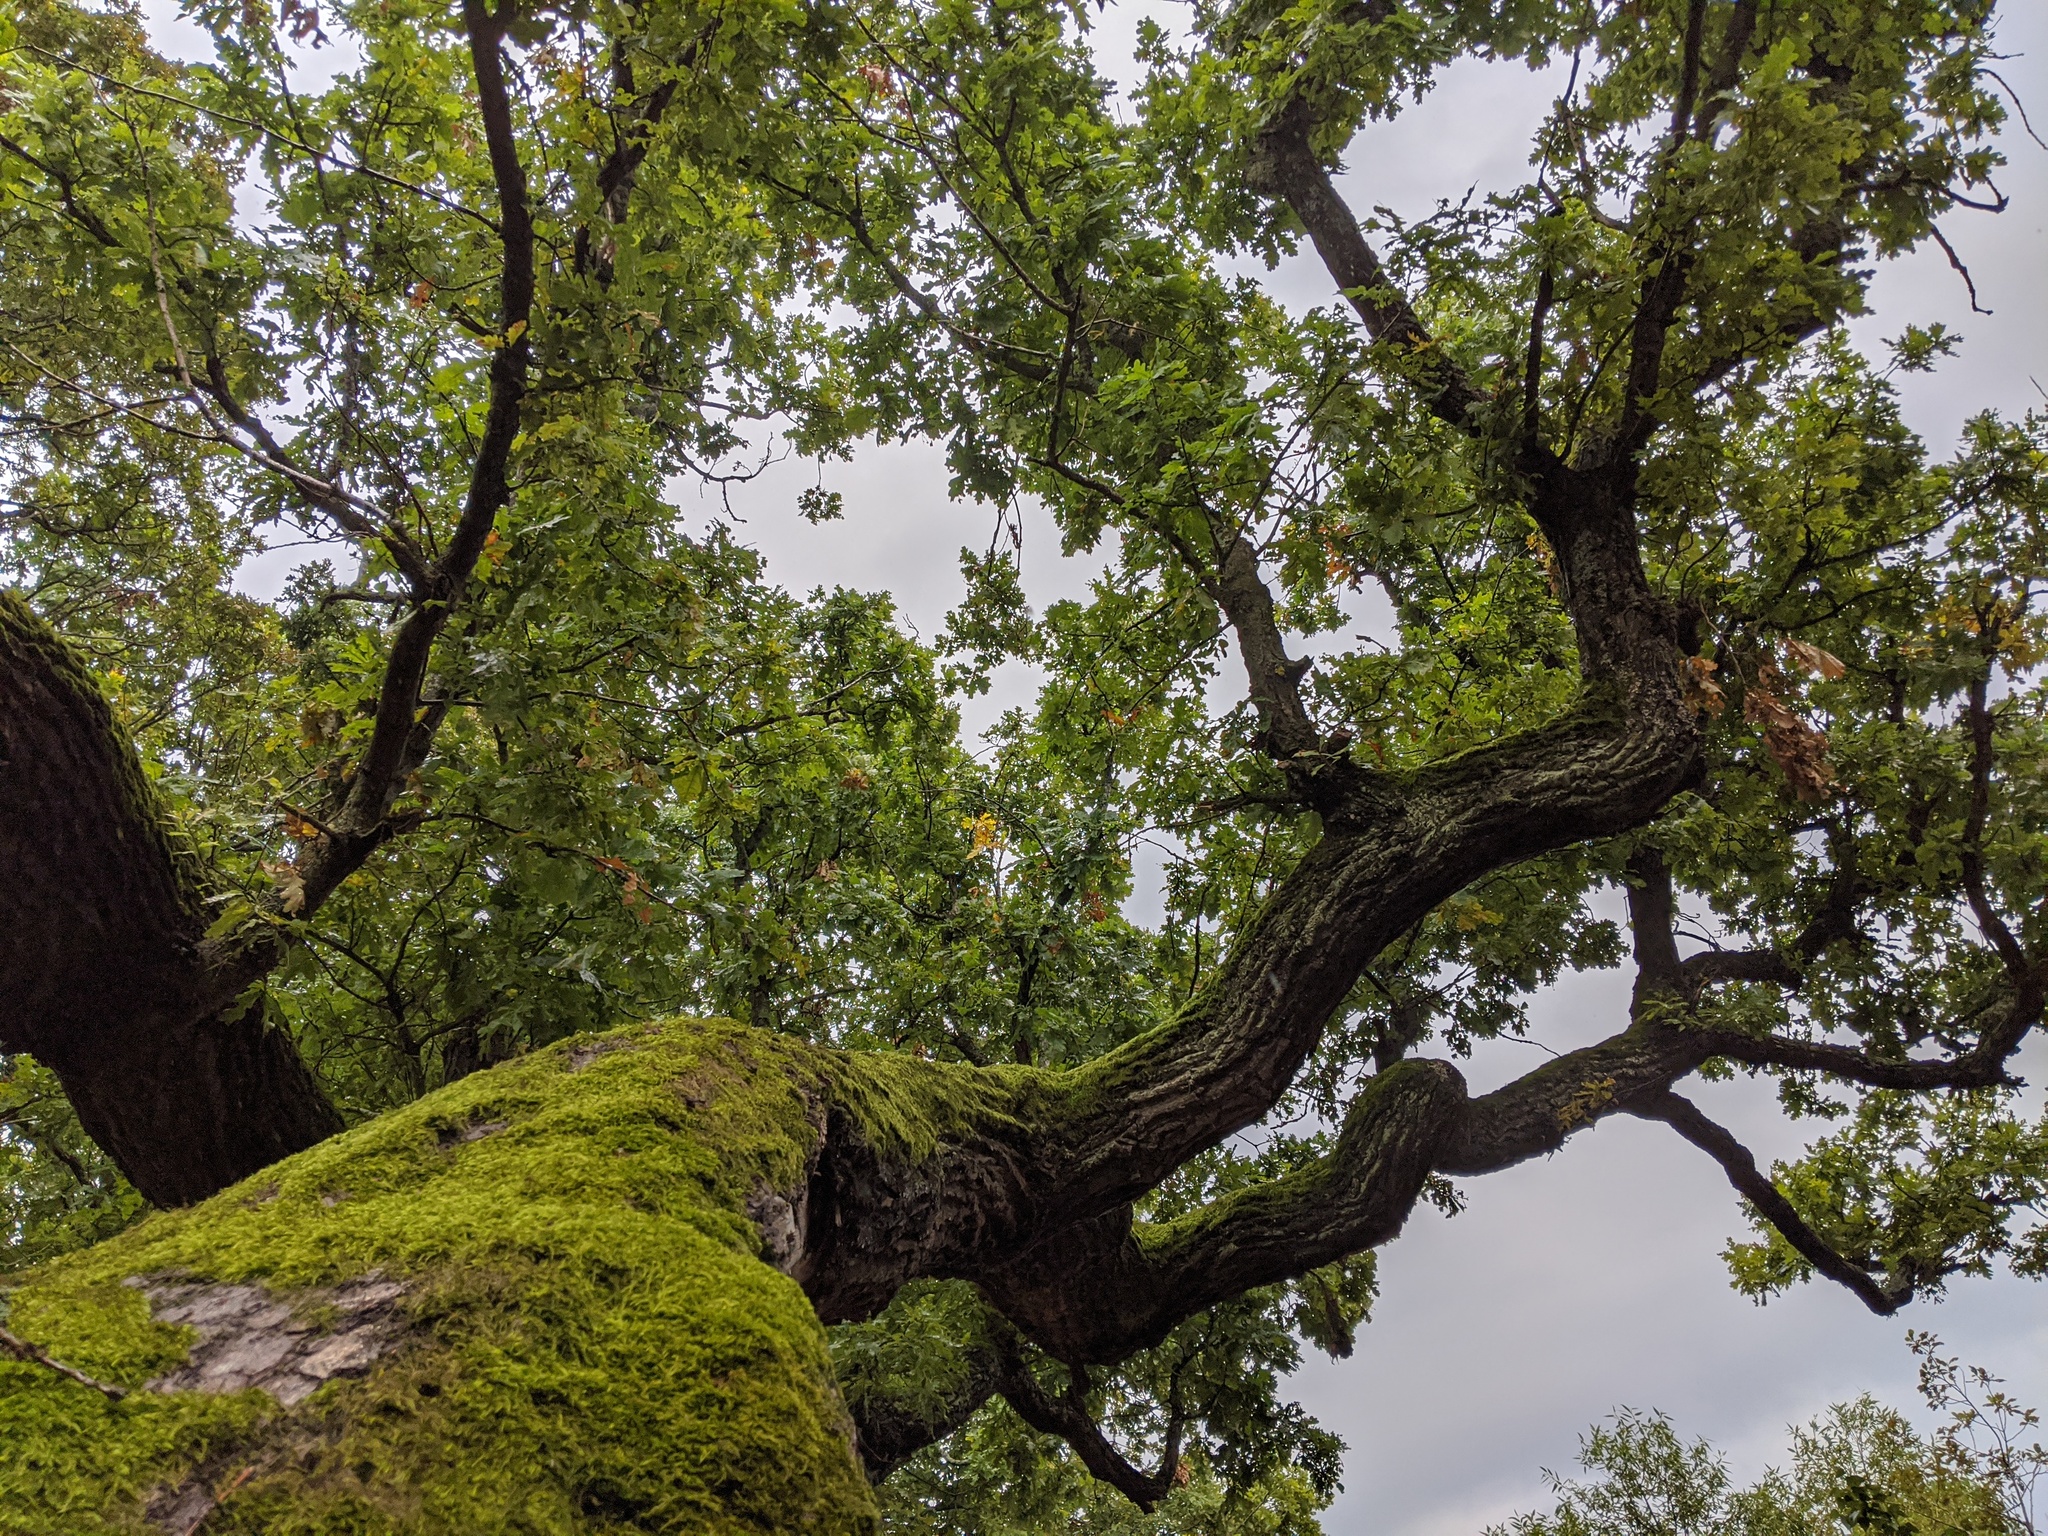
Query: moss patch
(907, 1106)
(593, 1341)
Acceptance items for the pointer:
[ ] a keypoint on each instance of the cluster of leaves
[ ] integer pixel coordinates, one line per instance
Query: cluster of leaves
(57, 1190)
(662, 784)
(1861, 1469)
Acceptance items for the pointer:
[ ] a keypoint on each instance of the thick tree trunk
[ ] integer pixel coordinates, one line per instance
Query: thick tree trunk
(106, 974)
(195, 1104)
(544, 1298)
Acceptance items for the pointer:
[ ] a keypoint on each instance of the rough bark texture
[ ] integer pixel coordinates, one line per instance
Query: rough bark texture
(622, 1249)
(105, 971)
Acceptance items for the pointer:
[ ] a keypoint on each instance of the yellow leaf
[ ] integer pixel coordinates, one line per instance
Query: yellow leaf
(987, 834)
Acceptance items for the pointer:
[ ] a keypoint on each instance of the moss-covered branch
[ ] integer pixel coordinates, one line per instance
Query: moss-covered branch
(537, 1298)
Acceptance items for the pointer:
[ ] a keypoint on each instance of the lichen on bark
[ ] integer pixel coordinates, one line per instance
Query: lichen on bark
(583, 1333)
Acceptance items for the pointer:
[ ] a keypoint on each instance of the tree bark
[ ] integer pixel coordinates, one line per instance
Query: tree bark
(106, 972)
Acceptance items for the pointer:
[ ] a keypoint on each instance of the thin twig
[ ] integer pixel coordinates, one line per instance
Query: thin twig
(24, 1351)
(1957, 262)
(2019, 107)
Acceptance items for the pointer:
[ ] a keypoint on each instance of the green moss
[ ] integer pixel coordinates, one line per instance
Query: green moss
(595, 1343)
(907, 1106)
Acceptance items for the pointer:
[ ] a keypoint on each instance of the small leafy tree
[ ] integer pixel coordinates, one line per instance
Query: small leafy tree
(1860, 1469)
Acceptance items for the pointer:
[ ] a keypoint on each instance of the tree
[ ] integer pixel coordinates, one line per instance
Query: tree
(1861, 1469)
(550, 786)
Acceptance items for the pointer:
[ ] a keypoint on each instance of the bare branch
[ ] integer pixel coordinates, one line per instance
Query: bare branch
(1288, 168)
(2002, 1025)
(351, 514)
(1983, 758)
(1727, 68)
(1068, 1417)
(1749, 1181)
(1715, 965)
(1962, 271)
(1688, 71)
(1274, 677)
(1652, 914)
(1013, 359)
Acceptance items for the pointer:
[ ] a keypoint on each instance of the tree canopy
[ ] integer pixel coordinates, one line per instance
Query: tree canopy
(1681, 610)
(1861, 1468)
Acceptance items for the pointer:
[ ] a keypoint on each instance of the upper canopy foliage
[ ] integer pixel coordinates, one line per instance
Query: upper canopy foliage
(523, 756)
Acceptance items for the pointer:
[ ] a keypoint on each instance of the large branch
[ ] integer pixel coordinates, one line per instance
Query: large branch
(405, 720)
(1054, 1150)
(1094, 1293)
(1273, 677)
(1736, 1160)
(1285, 166)
(1534, 1114)
(1035, 1152)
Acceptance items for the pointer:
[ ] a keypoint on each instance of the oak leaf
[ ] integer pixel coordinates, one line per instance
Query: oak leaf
(1799, 750)
(1811, 658)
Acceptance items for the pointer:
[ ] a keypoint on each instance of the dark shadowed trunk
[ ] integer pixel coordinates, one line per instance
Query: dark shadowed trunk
(106, 971)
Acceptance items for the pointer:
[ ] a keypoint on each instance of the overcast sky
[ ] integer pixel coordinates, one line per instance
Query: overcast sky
(1590, 1280)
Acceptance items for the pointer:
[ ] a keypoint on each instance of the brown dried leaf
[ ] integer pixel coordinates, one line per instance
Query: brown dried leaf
(1811, 658)
(1799, 750)
(1696, 682)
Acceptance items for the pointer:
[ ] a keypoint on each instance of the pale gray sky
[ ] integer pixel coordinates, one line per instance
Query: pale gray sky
(1591, 1279)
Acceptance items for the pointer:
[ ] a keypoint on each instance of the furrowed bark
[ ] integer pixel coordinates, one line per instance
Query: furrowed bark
(1093, 1294)
(1097, 1290)
(1069, 1149)
(105, 973)
(1069, 1266)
